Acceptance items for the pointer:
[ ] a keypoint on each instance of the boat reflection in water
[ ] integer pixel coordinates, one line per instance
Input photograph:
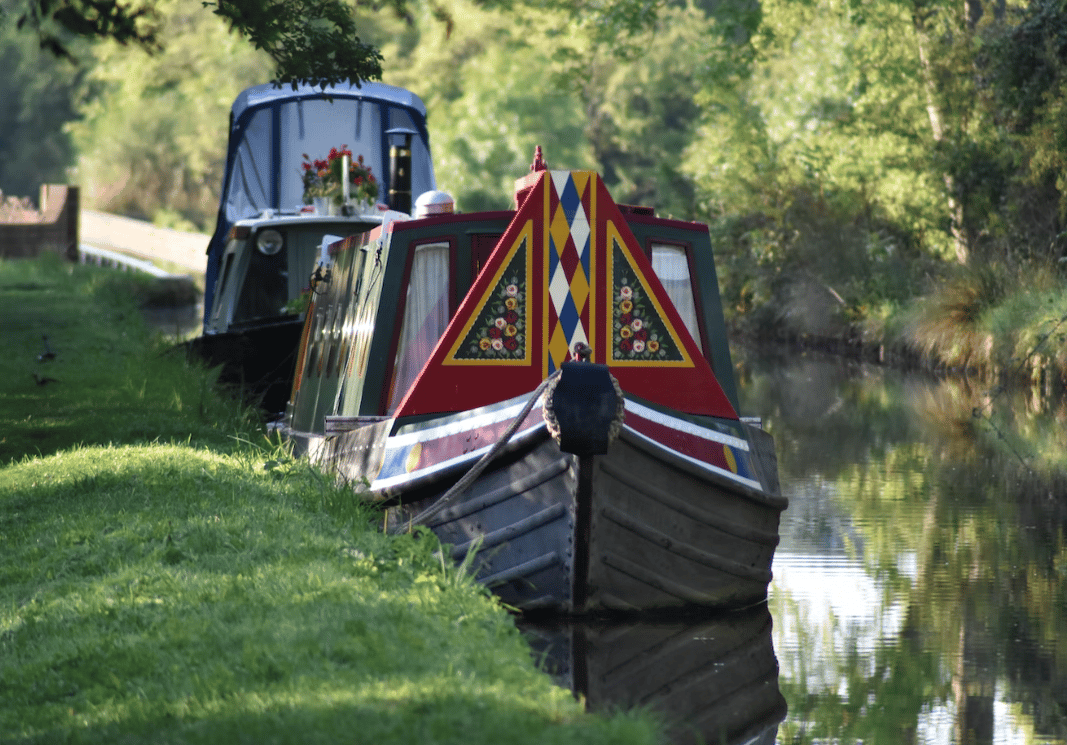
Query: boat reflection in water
(713, 678)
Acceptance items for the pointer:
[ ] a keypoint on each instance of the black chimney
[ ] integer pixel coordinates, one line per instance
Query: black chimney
(400, 169)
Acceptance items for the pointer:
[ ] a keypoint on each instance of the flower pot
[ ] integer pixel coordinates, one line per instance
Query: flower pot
(322, 205)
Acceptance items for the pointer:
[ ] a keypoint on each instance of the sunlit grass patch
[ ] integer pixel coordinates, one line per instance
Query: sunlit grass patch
(947, 325)
(994, 320)
(166, 588)
(170, 574)
(1031, 329)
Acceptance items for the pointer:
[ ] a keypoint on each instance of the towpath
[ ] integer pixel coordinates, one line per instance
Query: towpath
(144, 240)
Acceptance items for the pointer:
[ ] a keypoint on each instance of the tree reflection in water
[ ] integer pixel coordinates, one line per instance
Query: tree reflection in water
(920, 590)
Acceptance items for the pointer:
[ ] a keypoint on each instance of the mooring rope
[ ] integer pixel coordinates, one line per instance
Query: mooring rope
(476, 470)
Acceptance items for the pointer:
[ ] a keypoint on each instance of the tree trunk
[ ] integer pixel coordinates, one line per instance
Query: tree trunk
(937, 126)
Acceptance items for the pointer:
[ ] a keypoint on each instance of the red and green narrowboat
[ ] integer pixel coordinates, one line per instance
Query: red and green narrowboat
(550, 390)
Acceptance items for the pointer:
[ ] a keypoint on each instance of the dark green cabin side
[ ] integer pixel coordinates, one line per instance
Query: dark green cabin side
(347, 367)
(463, 243)
(312, 377)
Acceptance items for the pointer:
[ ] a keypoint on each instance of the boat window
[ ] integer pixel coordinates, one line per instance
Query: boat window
(671, 265)
(313, 126)
(249, 190)
(425, 316)
(266, 286)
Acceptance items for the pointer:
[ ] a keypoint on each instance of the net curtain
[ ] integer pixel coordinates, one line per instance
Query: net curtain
(425, 317)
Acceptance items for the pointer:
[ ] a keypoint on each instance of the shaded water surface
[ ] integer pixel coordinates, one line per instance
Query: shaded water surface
(920, 587)
(920, 591)
(177, 322)
(714, 678)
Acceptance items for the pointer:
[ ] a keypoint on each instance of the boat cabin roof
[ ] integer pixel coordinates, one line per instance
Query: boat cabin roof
(273, 218)
(268, 93)
(273, 129)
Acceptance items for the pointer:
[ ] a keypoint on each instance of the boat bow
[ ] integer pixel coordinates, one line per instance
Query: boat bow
(568, 424)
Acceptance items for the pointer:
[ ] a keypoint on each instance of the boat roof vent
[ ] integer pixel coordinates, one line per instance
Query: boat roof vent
(434, 203)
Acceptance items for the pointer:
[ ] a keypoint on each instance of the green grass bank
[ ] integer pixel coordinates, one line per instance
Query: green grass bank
(169, 575)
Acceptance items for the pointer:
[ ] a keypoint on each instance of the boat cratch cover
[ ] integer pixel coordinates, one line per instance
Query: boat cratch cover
(567, 272)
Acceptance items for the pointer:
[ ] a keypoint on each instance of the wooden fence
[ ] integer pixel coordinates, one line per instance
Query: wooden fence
(26, 232)
(60, 226)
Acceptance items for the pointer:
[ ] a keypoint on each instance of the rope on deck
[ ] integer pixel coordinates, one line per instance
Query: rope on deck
(476, 470)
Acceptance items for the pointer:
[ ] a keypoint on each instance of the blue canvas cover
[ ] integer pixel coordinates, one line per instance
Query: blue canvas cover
(271, 129)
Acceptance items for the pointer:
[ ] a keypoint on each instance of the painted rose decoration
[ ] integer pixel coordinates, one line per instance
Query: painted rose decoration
(638, 332)
(499, 332)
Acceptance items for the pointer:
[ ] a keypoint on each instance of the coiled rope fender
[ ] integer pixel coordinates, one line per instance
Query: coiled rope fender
(550, 410)
(476, 470)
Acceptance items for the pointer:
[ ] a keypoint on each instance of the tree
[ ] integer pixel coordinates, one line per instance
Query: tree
(876, 110)
(642, 115)
(151, 137)
(37, 99)
(633, 66)
(312, 41)
(1026, 63)
(492, 99)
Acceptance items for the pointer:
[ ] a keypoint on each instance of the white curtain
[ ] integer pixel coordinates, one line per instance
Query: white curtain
(425, 317)
(672, 267)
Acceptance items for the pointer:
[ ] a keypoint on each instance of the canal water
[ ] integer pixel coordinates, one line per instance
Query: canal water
(920, 586)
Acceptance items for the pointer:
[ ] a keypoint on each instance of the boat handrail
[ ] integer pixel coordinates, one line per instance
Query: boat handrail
(335, 425)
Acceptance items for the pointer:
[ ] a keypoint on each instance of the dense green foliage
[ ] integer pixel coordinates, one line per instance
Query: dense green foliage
(484, 133)
(312, 41)
(168, 574)
(152, 136)
(38, 96)
(845, 154)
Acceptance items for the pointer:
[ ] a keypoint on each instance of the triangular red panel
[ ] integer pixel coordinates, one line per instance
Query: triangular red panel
(567, 271)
